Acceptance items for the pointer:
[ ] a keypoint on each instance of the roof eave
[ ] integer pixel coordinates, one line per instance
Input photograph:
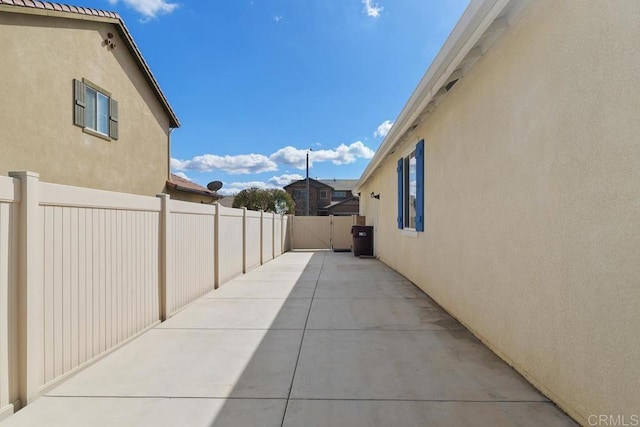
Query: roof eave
(474, 22)
(144, 67)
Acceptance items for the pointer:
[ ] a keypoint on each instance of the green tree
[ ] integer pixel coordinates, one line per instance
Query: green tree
(272, 200)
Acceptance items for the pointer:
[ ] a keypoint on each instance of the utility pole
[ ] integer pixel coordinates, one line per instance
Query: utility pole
(307, 210)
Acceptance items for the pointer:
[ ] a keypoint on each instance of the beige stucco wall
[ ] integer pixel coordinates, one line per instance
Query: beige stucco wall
(532, 235)
(40, 58)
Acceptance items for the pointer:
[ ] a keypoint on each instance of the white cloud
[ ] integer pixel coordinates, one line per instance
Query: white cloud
(232, 188)
(277, 18)
(239, 164)
(372, 9)
(287, 156)
(149, 8)
(285, 179)
(342, 155)
(291, 156)
(383, 129)
(273, 182)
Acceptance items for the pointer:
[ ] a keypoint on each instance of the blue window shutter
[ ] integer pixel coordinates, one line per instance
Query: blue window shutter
(420, 186)
(400, 193)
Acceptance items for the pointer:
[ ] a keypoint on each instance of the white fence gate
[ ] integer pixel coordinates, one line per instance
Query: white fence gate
(322, 232)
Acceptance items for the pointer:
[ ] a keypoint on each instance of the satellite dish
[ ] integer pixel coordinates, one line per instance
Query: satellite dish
(214, 186)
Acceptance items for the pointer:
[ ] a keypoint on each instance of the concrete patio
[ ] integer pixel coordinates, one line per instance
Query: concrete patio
(309, 339)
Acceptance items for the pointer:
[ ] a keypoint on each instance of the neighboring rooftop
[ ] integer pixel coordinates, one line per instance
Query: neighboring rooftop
(185, 185)
(340, 202)
(340, 184)
(312, 182)
(76, 12)
(227, 201)
(335, 184)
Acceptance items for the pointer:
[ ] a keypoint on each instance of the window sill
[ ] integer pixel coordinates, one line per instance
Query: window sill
(98, 134)
(409, 233)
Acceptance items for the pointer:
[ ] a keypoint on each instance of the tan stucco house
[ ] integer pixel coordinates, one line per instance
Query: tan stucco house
(80, 105)
(509, 191)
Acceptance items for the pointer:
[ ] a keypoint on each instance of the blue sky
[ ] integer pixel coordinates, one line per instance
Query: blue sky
(255, 83)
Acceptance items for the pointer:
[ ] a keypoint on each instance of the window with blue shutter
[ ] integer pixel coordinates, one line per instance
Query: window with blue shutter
(420, 186)
(400, 194)
(411, 190)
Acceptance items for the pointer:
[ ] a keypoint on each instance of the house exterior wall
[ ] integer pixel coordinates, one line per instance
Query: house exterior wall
(41, 56)
(532, 201)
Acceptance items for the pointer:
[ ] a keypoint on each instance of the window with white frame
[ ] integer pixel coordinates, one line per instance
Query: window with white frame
(94, 110)
(324, 194)
(411, 189)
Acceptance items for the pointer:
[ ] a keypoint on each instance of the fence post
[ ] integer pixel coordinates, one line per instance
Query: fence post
(273, 235)
(166, 241)
(216, 248)
(331, 230)
(244, 240)
(30, 293)
(290, 223)
(261, 236)
(282, 234)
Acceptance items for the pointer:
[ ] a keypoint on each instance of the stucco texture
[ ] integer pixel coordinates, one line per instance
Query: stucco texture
(41, 56)
(532, 196)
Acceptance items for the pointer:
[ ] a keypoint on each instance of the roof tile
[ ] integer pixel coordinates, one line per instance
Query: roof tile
(188, 184)
(35, 4)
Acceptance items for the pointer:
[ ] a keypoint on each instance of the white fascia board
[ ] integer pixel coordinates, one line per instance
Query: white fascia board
(473, 23)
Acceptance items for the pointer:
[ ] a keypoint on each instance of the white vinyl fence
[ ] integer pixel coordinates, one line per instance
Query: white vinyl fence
(267, 236)
(82, 271)
(230, 246)
(100, 272)
(253, 239)
(9, 198)
(191, 252)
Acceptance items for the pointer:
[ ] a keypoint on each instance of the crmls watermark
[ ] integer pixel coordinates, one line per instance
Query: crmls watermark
(614, 420)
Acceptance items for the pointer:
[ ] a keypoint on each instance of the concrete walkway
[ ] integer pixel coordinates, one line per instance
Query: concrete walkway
(309, 339)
